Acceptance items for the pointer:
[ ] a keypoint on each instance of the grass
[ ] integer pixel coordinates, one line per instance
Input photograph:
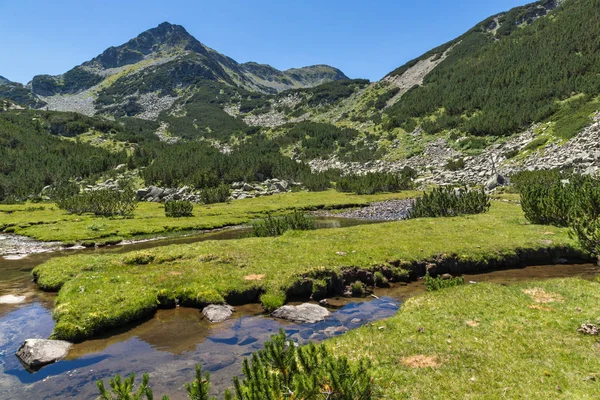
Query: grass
(52, 224)
(105, 291)
(486, 341)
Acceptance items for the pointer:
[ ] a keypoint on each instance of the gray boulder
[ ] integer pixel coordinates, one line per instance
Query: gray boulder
(141, 193)
(217, 313)
(35, 353)
(304, 313)
(494, 182)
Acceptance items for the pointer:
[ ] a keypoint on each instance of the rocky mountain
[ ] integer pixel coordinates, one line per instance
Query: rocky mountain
(146, 75)
(3, 80)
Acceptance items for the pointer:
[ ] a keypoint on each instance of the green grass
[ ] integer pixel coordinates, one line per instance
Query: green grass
(100, 292)
(52, 224)
(488, 341)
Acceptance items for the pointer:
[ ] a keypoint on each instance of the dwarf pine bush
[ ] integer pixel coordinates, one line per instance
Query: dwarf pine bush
(439, 283)
(376, 182)
(280, 371)
(276, 226)
(449, 202)
(179, 208)
(564, 199)
(102, 202)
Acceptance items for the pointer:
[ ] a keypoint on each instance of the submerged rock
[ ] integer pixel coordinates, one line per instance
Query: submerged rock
(35, 353)
(12, 299)
(217, 313)
(304, 313)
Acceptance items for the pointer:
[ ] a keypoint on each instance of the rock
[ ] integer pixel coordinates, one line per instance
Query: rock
(446, 276)
(494, 182)
(141, 193)
(11, 299)
(304, 313)
(217, 313)
(35, 353)
(589, 329)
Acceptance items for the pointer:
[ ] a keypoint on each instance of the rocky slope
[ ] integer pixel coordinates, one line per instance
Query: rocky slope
(146, 75)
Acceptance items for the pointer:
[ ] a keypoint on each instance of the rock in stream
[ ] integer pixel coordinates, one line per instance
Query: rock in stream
(35, 353)
(304, 313)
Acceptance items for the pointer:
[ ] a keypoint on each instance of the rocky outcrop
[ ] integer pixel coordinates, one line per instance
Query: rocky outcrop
(493, 164)
(244, 190)
(35, 353)
(217, 312)
(161, 195)
(304, 313)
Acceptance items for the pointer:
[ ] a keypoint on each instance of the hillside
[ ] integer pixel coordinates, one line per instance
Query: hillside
(517, 91)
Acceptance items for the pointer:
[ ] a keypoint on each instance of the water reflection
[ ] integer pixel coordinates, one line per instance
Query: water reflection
(167, 346)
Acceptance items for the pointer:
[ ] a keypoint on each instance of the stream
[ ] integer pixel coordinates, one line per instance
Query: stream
(169, 344)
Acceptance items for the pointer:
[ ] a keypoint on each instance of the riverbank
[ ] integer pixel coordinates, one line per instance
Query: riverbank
(240, 271)
(180, 337)
(45, 222)
(486, 341)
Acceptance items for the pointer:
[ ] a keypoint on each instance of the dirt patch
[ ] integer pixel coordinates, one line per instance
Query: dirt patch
(421, 361)
(255, 277)
(175, 273)
(472, 323)
(541, 296)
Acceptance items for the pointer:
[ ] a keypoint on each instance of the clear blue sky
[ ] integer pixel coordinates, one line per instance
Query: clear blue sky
(365, 39)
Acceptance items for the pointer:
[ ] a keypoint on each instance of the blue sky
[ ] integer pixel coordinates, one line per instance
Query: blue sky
(365, 39)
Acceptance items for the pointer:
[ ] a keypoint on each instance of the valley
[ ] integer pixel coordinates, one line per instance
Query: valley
(436, 231)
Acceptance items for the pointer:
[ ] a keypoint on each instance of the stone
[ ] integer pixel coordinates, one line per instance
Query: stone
(11, 299)
(494, 182)
(217, 312)
(141, 193)
(589, 329)
(304, 313)
(36, 353)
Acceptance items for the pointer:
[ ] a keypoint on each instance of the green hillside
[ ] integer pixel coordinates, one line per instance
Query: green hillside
(508, 72)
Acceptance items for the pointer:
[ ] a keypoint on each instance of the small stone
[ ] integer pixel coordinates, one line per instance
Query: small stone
(217, 313)
(304, 313)
(589, 329)
(35, 353)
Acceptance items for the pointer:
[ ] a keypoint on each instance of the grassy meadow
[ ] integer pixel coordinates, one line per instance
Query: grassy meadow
(486, 341)
(100, 292)
(45, 222)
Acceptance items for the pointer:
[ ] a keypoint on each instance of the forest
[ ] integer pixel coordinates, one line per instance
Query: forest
(499, 83)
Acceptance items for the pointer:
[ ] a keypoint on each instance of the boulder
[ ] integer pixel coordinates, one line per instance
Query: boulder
(155, 192)
(304, 313)
(35, 353)
(141, 193)
(217, 313)
(494, 182)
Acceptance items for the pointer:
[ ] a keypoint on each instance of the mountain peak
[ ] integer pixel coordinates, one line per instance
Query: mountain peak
(3, 80)
(164, 37)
